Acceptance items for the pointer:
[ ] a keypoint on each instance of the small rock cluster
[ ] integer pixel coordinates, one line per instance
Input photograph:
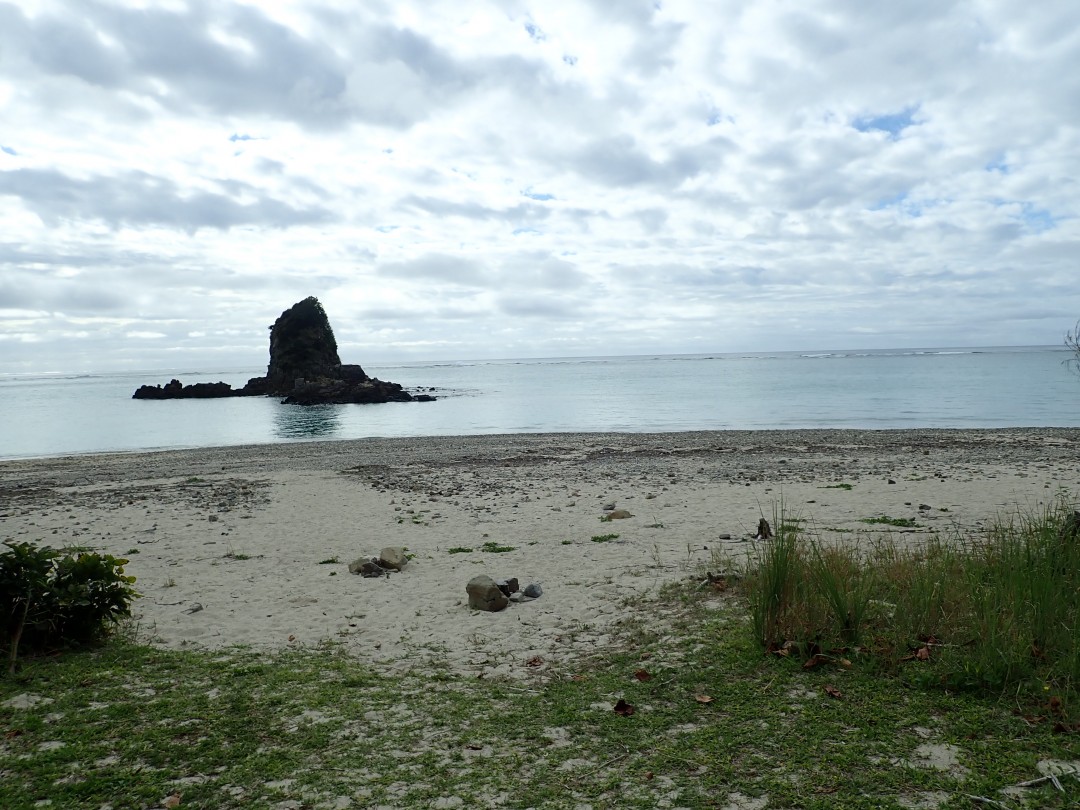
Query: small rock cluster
(493, 595)
(391, 558)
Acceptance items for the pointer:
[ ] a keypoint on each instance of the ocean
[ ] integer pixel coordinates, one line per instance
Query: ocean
(58, 414)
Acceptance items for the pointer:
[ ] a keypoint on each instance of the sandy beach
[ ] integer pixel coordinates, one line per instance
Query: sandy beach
(251, 545)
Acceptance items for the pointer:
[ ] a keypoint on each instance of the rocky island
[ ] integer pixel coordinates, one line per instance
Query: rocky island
(304, 369)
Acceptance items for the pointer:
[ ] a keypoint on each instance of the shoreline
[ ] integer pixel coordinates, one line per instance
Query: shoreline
(325, 454)
(259, 537)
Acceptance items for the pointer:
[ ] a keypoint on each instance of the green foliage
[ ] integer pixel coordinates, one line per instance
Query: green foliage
(998, 614)
(604, 538)
(459, 550)
(50, 597)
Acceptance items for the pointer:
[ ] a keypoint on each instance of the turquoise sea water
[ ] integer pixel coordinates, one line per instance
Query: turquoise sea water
(56, 414)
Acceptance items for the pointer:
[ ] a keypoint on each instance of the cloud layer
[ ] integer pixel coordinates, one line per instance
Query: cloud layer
(470, 179)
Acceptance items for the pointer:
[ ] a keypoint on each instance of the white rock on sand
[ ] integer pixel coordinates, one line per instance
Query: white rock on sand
(261, 537)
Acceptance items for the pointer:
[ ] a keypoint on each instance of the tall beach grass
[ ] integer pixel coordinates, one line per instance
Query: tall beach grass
(999, 611)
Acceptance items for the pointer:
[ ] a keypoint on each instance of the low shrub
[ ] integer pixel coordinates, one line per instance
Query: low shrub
(50, 597)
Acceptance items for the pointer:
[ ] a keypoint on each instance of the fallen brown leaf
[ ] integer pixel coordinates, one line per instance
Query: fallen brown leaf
(703, 699)
(623, 708)
(535, 661)
(832, 691)
(810, 663)
(923, 653)
(643, 675)
(292, 637)
(172, 801)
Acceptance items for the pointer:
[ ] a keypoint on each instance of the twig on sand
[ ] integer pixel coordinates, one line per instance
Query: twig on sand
(599, 768)
(1052, 778)
(991, 802)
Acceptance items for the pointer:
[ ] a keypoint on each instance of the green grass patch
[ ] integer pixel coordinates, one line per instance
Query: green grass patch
(329, 561)
(495, 548)
(713, 720)
(604, 538)
(459, 550)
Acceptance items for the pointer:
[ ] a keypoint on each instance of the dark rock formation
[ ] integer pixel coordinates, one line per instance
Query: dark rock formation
(174, 390)
(304, 369)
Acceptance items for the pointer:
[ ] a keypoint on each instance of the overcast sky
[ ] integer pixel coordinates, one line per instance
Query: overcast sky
(462, 179)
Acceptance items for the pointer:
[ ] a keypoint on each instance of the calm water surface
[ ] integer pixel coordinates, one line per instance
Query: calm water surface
(51, 414)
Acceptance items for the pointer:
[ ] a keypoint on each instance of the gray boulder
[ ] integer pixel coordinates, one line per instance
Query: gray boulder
(485, 594)
(393, 557)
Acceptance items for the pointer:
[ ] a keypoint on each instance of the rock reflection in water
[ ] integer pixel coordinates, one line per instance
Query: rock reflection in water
(306, 421)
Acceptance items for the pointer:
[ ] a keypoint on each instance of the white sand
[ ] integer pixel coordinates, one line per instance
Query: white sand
(243, 531)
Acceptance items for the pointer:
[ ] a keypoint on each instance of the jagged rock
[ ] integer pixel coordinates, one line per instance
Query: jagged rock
(393, 557)
(485, 594)
(304, 369)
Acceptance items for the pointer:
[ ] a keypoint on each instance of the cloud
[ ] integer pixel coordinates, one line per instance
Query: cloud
(598, 177)
(137, 198)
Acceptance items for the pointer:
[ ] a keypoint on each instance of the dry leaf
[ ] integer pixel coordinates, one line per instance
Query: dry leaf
(703, 699)
(645, 656)
(172, 801)
(292, 637)
(832, 691)
(643, 675)
(535, 661)
(810, 663)
(579, 678)
(923, 653)
(623, 708)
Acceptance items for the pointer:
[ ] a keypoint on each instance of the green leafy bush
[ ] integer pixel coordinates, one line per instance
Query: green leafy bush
(50, 597)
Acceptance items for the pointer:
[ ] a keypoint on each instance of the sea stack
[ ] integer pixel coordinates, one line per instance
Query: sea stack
(304, 369)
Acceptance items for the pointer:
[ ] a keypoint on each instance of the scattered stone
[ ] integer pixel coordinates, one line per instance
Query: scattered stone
(724, 536)
(194, 608)
(212, 518)
(366, 567)
(924, 507)
(485, 594)
(891, 481)
(609, 506)
(508, 586)
(618, 514)
(393, 557)
(533, 590)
